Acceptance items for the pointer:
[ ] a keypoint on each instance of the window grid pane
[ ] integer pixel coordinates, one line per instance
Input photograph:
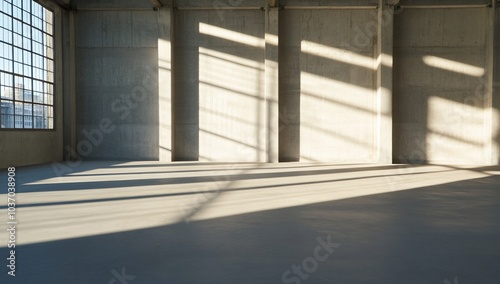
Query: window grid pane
(26, 65)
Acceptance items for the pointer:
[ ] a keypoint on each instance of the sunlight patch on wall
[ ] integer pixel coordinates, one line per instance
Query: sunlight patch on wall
(335, 116)
(338, 54)
(231, 85)
(231, 35)
(456, 131)
(453, 66)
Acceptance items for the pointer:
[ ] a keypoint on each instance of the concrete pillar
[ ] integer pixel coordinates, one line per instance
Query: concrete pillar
(69, 100)
(384, 82)
(165, 83)
(54, 145)
(494, 81)
(185, 92)
(272, 83)
(289, 89)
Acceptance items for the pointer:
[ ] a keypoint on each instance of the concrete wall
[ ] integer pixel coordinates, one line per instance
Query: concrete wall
(29, 147)
(165, 85)
(219, 110)
(440, 86)
(495, 127)
(328, 86)
(117, 84)
(226, 81)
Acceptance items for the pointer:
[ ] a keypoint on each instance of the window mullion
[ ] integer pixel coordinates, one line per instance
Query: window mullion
(26, 68)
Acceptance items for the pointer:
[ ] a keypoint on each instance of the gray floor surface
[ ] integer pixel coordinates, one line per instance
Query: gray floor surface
(148, 222)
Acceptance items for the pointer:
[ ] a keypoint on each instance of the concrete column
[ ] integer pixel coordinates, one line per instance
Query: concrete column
(289, 87)
(185, 92)
(494, 81)
(165, 83)
(69, 100)
(272, 83)
(54, 145)
(384, 83)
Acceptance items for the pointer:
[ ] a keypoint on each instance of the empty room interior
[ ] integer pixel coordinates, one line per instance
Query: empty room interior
(250, 141)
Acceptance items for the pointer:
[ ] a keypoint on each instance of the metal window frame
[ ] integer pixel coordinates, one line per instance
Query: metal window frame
(32, 67)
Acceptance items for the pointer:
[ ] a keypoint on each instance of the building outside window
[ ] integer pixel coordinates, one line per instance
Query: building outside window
(26, 65)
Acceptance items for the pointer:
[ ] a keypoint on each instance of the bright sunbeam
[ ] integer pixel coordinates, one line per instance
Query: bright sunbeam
(231, 35)
(352, 130)
(455, 127)
(453, 66)
(231, 58)
(338, 54)
(231, 85)
(272, 39)
(346, 95)
(385, 59)
(164, 51)
(101, 201)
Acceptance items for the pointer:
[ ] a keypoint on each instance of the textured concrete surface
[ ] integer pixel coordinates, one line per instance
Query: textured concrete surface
(219, 109)
(328, 86)
(495, 126)
(117, 81)
(199, 83)
(440, 94)
(272, 70)
(165, 87)
(329, 3)
(148, 222)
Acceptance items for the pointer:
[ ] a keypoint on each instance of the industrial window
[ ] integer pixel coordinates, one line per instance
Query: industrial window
(26, 65)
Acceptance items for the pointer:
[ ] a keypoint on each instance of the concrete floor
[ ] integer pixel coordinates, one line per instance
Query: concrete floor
(148, 222)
